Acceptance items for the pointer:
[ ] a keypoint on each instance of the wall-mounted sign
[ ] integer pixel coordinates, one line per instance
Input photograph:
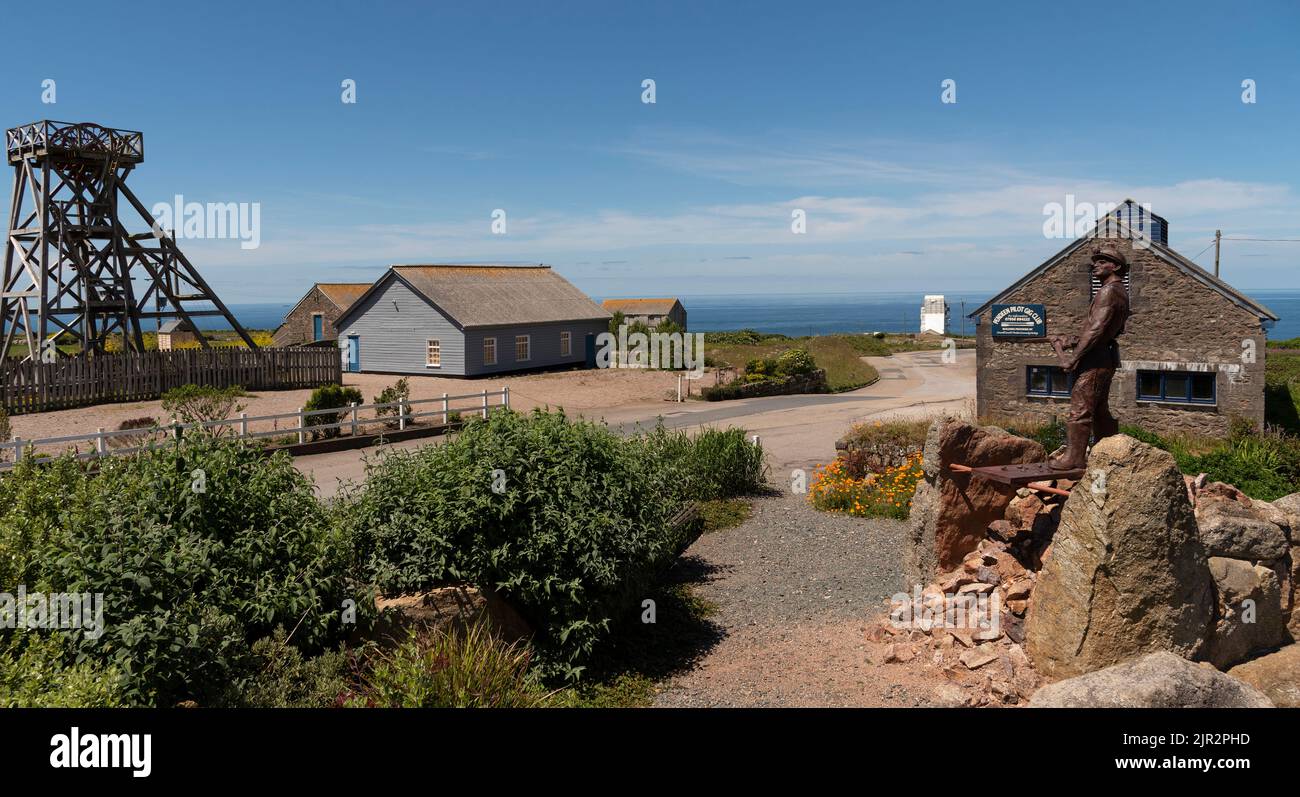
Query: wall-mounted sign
(1019, 321)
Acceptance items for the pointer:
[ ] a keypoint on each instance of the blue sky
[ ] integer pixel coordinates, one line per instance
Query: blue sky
(762, 108)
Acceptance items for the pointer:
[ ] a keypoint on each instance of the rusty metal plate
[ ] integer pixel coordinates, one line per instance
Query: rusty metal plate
(1024, 474)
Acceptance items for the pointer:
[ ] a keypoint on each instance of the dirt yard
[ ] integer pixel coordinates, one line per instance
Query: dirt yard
(572, 390)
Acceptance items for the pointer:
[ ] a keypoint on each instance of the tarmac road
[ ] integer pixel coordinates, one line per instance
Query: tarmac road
(796, 431)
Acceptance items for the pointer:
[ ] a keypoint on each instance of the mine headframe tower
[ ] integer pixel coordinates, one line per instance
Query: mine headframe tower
(71, 266)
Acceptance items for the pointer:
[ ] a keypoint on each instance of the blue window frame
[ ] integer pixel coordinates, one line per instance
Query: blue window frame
(1177, 387)
(1048, 380)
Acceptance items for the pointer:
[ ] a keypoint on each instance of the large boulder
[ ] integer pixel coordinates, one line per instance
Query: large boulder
(952, 511)
(450, 609)
(1156, 680)
(1126, 574)
(1290, 506)
(1249, 615)
(1238, 530)
(1277, 675)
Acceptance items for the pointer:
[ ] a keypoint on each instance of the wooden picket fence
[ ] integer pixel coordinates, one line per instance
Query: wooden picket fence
(97, 379)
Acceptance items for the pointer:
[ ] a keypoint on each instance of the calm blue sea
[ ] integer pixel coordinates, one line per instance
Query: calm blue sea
(818, 313)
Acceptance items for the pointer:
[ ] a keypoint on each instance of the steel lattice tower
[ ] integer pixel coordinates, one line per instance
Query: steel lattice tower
(71, 266)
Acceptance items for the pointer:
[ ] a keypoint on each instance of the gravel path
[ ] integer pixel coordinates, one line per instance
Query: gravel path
(796, 589)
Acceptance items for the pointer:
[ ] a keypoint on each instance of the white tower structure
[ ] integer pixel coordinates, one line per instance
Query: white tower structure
(934, 315)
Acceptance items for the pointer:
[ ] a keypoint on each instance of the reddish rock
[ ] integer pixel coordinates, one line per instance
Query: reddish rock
(951, 512)
(899, 654)
(983, 655)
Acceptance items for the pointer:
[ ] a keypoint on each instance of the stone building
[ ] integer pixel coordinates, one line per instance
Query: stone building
(1192, 353)
(650, 312)
(176, 333)
(312, 319)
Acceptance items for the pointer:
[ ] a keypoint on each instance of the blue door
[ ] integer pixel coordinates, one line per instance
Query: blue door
(317, 327)
(354, 354)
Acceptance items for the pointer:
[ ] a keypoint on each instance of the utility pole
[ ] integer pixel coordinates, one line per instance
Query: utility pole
(1218, 236)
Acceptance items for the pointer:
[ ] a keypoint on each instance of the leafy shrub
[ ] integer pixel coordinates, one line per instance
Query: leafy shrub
(328, 397)
(760, 367)
(716, 463)
(34, 675)
(578, 536)
(198, 549)
(473, 669)
(885, 494)
(200, 403)
(727, 392)
(398, 391)
(284, 678)
(742, 337)
(794, 362)
(1263, 466)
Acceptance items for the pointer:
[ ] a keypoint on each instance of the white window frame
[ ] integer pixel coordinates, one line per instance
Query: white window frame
(528, 348)
(433, 346)
(493, 347)
(566, 344)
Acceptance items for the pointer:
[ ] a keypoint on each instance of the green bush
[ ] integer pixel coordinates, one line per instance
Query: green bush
(34, 675)
(1266, 467)
(328, 397)
(284, 678)
(199, 403)
(794, 362)
(473, 669)
(576, 538)
(398, 391)
(199, 549)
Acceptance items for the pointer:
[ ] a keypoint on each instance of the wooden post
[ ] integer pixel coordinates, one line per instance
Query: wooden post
(485, 404)
(401, 414)
(243, 424)
(302, 427)
(505, 396)
(679, 388)
(100, 447)
(353, 413)
(18, 449)
(445, 416)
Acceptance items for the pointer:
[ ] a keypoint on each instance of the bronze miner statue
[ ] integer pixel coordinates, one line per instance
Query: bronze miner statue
(1093, 360)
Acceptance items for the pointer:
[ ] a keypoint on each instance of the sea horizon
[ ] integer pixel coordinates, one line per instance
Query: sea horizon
(814, 313)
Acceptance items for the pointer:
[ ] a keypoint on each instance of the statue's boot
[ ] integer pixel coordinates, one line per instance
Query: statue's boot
(1105, 427)
(1075, 455)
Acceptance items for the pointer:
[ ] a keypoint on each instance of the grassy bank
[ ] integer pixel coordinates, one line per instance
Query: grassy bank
(840, 355)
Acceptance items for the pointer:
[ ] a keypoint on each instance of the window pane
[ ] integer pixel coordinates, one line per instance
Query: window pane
(1060, 381)
(1148, 384)
(1203, 387)
(1037, 380)
(1176, 386)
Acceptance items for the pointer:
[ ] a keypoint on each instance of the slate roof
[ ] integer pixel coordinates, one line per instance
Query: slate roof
(640, 306)
(343, 294)
(494, 295)
(175, 325)
(1162, 251)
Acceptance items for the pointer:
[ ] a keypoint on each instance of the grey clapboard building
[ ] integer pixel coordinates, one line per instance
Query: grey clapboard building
(469, 320)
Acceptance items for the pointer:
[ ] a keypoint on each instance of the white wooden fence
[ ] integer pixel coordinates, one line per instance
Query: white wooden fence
(99, 443)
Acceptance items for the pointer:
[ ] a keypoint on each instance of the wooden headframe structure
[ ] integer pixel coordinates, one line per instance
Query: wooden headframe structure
(71, 267)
